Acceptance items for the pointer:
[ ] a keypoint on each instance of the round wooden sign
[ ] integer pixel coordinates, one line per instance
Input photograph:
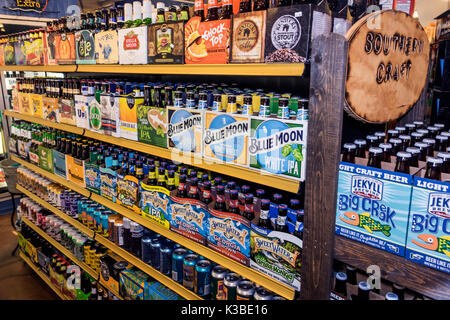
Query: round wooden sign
(387, 67)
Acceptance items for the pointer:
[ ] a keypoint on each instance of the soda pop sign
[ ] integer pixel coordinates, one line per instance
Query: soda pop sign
(439, 204)
(367, 187)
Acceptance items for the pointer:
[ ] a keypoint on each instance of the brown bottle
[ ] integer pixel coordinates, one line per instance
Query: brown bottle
(445, 156)
(406, 141)
(403, 161)
(425, 132)
(423, 150)
(392, 133)
(441, 143)
(380, 135)
(349, 153)
(360, 148)
(396, 145)
(401, 130)
(213, 11)
(416, 137)
(199, 9)
(226, 11)
(387, 151)
(418, 124)
(372, 141)
(375, 157)
(260, 5)
(410, 127)
(415, 152)
(245, 6)
(434, 168)
(430, 149)
(434, 131)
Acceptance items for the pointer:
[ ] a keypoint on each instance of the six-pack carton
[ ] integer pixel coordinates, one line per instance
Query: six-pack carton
(65, 48)
(428, 241)
(85, 47)
(128, 105)
(155, 203)
(373, 206)
(106, 47)
(109, 106)
(133, 45)
(152, 125)
(166, 43)
(249, 32)
(185, 130)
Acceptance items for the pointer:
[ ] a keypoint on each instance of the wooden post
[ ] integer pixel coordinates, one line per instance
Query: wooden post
(327, 90)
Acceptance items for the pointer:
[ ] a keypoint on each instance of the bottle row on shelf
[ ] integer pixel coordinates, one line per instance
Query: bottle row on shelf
(207, 279)
(264, 131)
(394, 191)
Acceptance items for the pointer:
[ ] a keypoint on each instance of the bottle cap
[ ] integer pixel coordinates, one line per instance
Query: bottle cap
(350, 146)
(403, 154)
(435, 160)
(444, 155)
(391, 296)
(375, 150)
(363, 285)
(341, 276)
(385, 146)
(360, 142)
(413, 150)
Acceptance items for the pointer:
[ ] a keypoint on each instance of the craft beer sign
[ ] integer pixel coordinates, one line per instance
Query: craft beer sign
(387, 66)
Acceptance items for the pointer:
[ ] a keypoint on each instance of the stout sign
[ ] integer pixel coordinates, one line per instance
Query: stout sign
(388, 60)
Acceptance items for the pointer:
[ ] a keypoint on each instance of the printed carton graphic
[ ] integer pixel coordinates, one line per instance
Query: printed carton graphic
(67, 112)
(428, 241)
(128, 106)
(81, 111)
(373, 206)
(155, 204)
(106, 47)
(109, 106)
(92, 176)
(248, 37)
(185, 129)
(152, 125)
(75, 170)
(166, 43)
(65, 48)
(133, 45)
(59, 164)
(50, 109)
(85, 47)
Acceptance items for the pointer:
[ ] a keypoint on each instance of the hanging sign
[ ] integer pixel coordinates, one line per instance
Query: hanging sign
(27, 5)
(387, 67)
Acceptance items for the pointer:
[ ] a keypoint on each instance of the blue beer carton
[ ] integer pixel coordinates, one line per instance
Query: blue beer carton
(373, 206)
(59, 163)
(428, 240)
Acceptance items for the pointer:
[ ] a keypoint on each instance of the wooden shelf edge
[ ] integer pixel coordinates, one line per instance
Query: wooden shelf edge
(57, 68)
(251, 274)
(274, 181)
(42, 276)
(396, 269)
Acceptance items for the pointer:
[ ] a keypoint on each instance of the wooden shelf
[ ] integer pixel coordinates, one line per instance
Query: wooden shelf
(254, 69)
(43, 276)
(248, 273)
(256, 176)
(396, 269)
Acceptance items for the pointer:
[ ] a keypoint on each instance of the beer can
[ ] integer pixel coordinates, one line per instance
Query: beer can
(231, 282)
(165, 257)
(146, 249)
(177, 264)
(155, 260)
(245, 290)
(189, 262)
(202, 282)
(105, 225)
(97, 223)
(262, 294)
(217, 276)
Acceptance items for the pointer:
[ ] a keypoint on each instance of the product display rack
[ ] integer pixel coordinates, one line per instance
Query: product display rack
(230, 264)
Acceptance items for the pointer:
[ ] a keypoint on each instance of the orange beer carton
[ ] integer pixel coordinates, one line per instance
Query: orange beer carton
(207, 42)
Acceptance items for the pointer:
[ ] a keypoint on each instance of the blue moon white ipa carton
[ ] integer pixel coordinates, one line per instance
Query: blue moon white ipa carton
(373, 206)
(428, 241)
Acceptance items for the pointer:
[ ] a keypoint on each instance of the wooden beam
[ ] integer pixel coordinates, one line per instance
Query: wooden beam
(327, 89)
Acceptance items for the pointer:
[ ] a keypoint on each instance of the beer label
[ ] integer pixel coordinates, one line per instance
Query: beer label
(264, 214)
(95, 115)
(198, 4)
(155, 203)
(286, 32)
(247, 35)
(281, 221)
(185, 130)
(85, 47)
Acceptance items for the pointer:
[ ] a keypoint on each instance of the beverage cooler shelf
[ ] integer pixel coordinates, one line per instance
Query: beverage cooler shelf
(228, 263)
(399, 270)
(254, 69)
(42, 276)
(255, 176)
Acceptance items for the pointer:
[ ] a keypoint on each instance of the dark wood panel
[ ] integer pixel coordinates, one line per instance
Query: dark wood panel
(324, 139)
(427, 281)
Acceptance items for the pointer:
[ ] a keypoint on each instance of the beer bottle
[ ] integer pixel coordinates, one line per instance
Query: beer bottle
(158, 97)
(168, 96)
(349, 153)
(93, 295)
(410, 127)
(98, 20)
(360, 148)
(425, 132)
(430, 149)
(416, 137)
(445, 156)
(139, 172)
(298, 231)
(226, 11)
(351, 274)
(233, 204)
(137, 13)
(161, 177)
(418, 124)
(220, 199)
(441, 143)
(181, 190)
(281, 224)
(260, 5)
(248, 207)
(373, 141)
(245, 6)
(112, 22)
(105, 19)
(392, 133)
(171, 180)
(399, 291)
(283, 3)
(433, 131)
(199, 9)
(128, 13)
(206, 193)
(414, 160)
(184, 13)
(380, 135)
(120, 16)
(264, 220)
(434, 168)
(340, 285)
(375, 157)
(363, 291)
(387, 149)
(403, 162)
(406, 141)
(193, 189)
(213, 11)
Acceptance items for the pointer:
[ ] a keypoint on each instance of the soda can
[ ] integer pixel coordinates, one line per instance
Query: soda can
(146, 249)
(177, 264)
(262, 294)
(245, 290)
(231, 282)
(202, 282)
(155, 259)
(165, 257)
(189, 262)
(217, 276)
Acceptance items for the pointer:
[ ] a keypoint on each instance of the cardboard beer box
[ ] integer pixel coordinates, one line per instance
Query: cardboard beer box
(32, 155)
(50, 109)
(25, 106)
(108, 180)
(226, 137)
(9, 54)
(92, 176)
(288, 33)
(185, 129)
(249, 32)
(152, 125)
(155, 203)
(229, 234)
(133, 47)
(65, 48)
(132, 284)
(106, 47)
(428, 240)
(128, 191)
(109, 274)
(19, 52)
(23, 149)
(207, 42)
(109, 105)
(75, 170)
(81, 111)
(15, 99)
(189, 217)
(36, 104)
(128, 105)
(85, 47)
(95, 113)
(2, 52)
(46, 158)
(50, 48)
(373, 206)
(34, 49)
(59, 163)
(166, 43)
(67, 112)
(278, 146)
